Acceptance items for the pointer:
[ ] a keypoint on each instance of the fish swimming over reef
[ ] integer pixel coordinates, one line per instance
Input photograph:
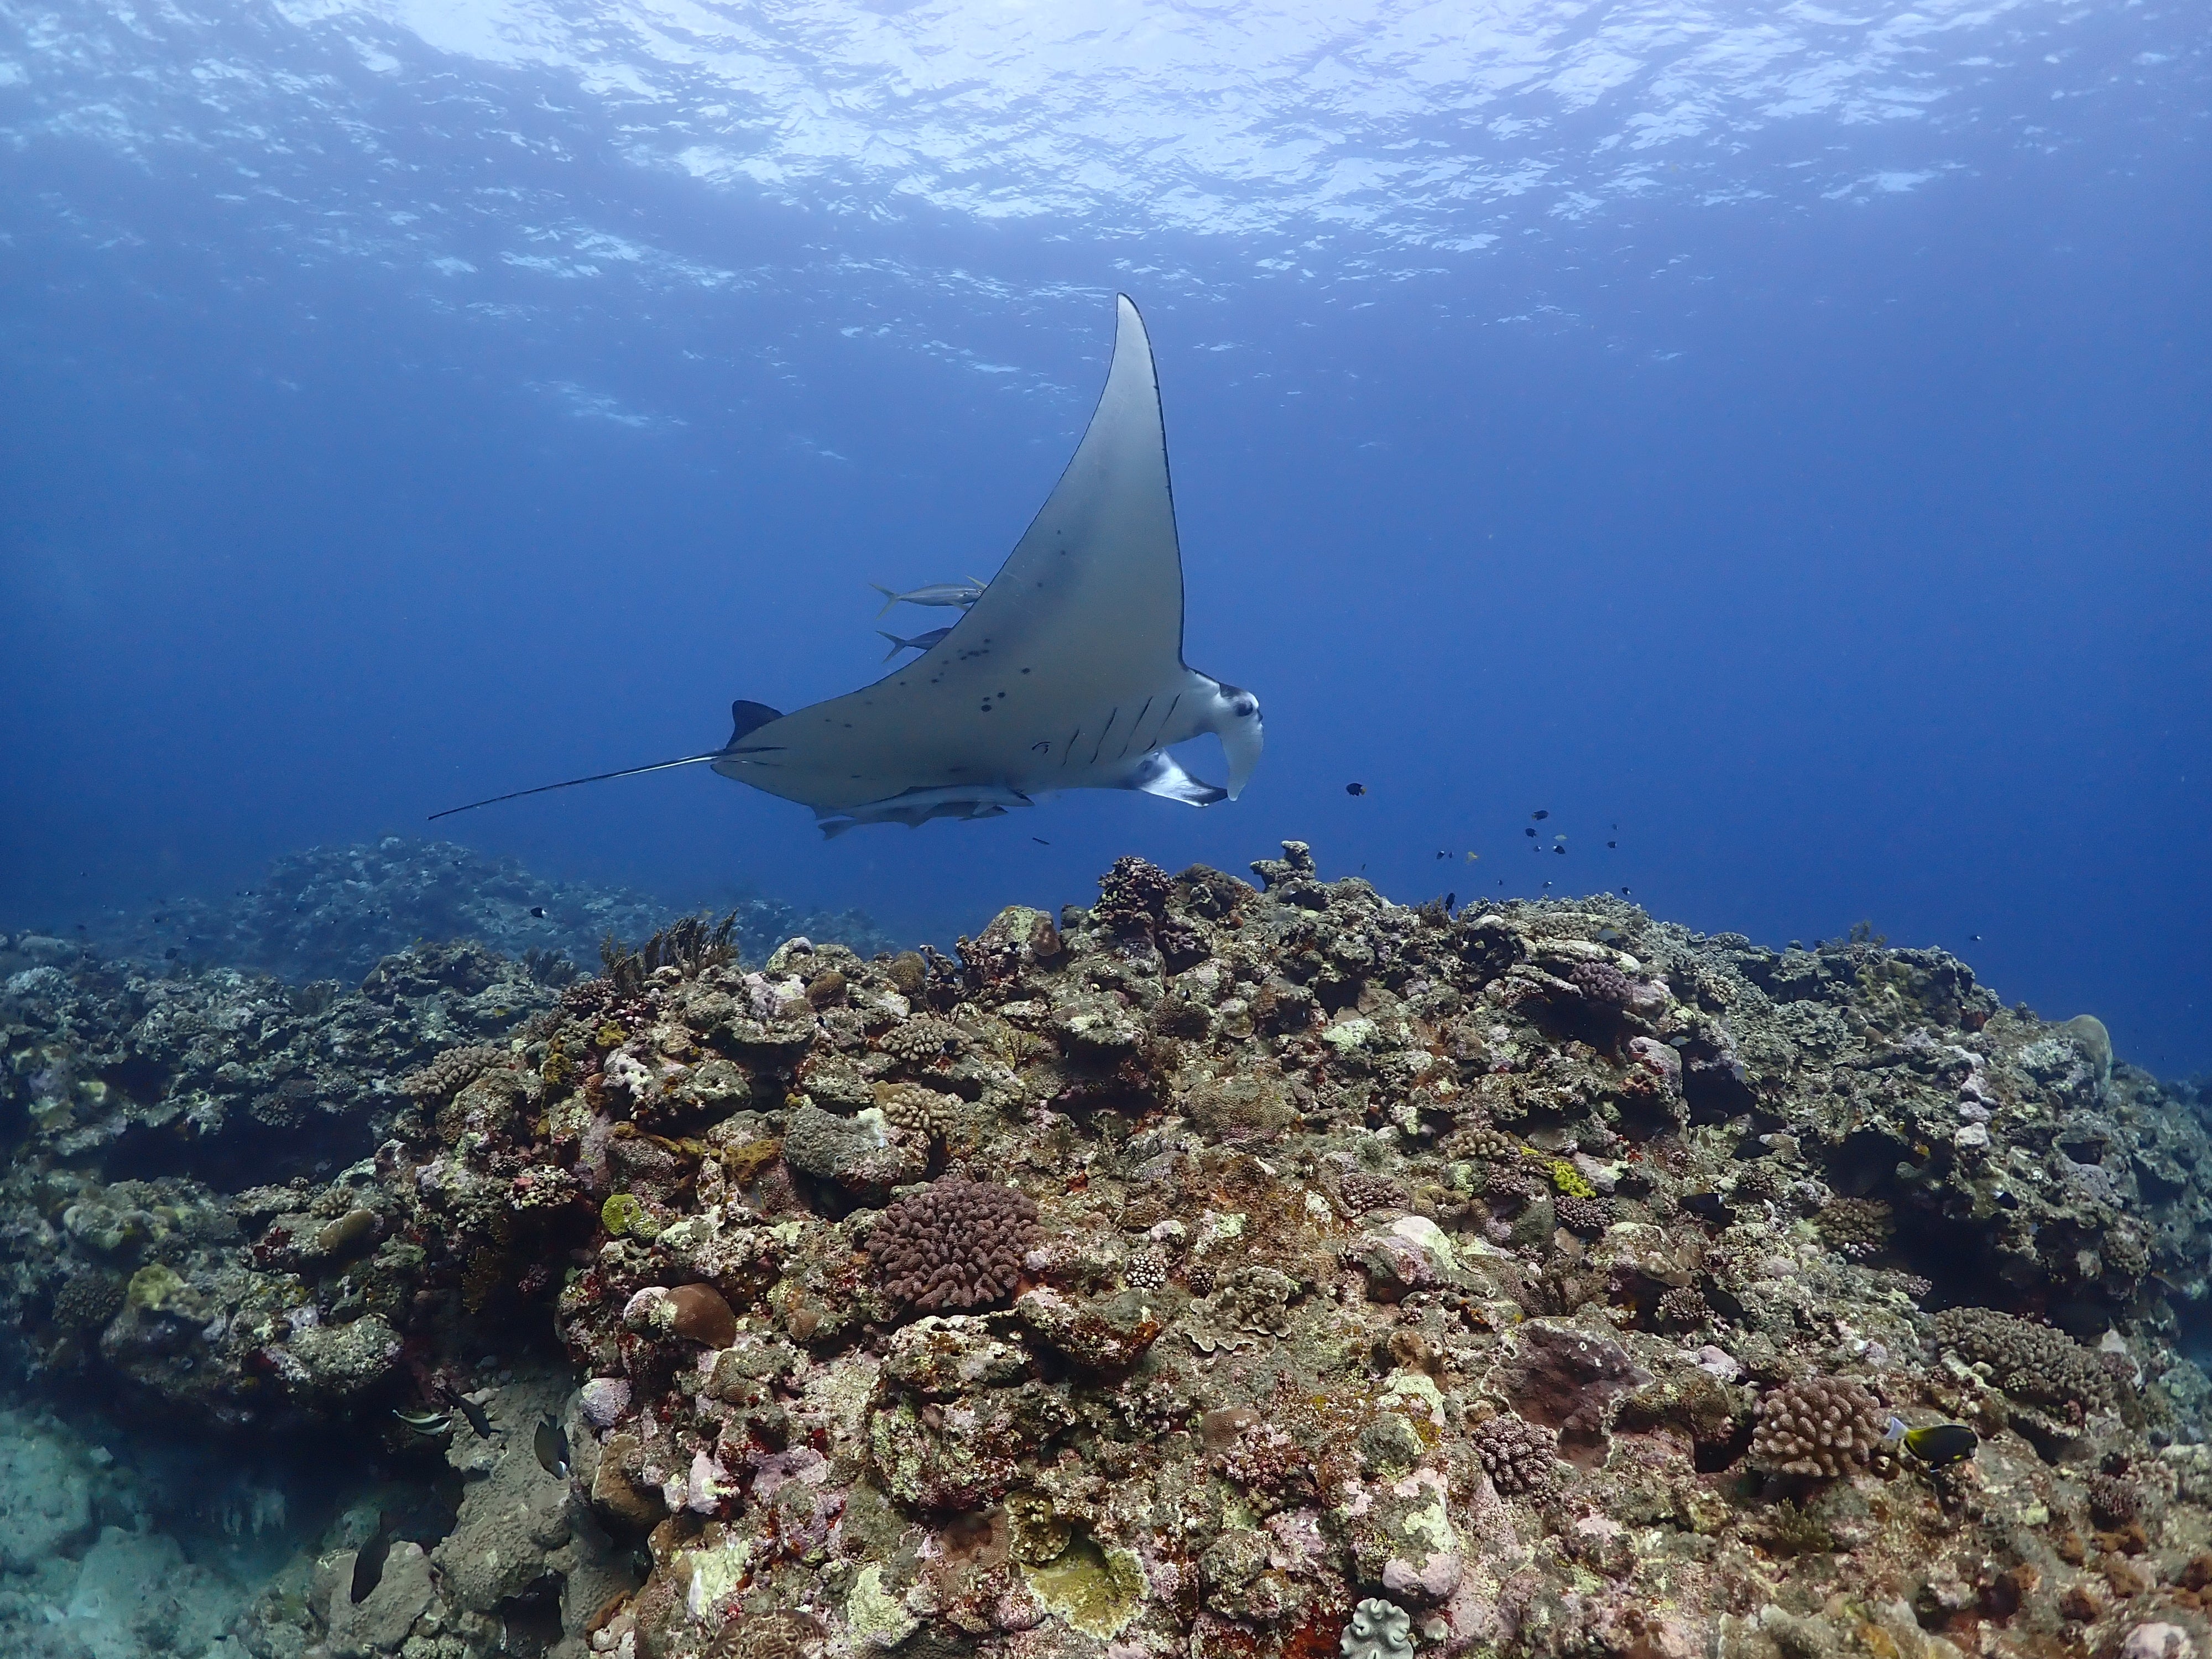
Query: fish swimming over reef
(1065, 672)
(468, 1409)
(1938, 1445)
(551, 1446)
(962, 593)
(368, 1561)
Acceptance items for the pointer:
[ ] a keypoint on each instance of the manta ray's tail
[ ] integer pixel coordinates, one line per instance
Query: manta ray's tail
(570, 783)
(745, 717)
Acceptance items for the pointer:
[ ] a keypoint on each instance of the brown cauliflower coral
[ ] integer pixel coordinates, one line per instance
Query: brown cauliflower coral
(1818, 1427)
(958, 1245)
(1517, 1456)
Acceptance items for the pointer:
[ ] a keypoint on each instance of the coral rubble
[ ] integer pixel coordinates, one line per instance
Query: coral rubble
(1220, 1270)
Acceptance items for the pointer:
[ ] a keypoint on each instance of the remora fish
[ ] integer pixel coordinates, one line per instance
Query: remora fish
(919, 642)
(962, 593)
(368, 1562)
(551, 1446)
(1066, 673)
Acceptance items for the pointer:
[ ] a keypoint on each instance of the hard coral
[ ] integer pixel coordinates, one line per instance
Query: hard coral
(1818, 1428)
(1378, 1630)
(1132, 896)
(88, 1300)
(1272, 1469)
(453, 1071)
(1363, 1192)
(1857, 1228)
(1602, 985)
(2029, 1361)
(1517, 1456)
(922, 1111)
(956, 1244)
(2114, 1500)
(1255, 1299)
(1582, 1215)
(921, 1039)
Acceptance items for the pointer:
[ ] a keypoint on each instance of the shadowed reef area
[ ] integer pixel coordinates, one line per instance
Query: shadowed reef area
(1222, 1269)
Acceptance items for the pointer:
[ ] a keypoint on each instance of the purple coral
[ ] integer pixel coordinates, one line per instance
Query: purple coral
(956, 1244)
(1602, 985)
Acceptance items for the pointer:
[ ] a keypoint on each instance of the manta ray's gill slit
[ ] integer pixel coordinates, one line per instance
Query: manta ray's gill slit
(1070, 750)
(1103, 735)
(1135, 727)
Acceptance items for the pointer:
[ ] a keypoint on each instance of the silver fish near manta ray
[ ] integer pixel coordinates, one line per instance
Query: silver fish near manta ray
(962, 595)
(1065, 672)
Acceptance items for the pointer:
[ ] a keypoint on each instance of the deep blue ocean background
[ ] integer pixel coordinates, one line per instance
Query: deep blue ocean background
(1784, 434)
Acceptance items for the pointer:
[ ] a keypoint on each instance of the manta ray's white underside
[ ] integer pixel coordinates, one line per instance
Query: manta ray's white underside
(1067, 673)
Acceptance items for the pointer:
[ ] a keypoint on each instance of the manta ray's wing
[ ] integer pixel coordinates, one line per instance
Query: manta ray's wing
(1067, 673)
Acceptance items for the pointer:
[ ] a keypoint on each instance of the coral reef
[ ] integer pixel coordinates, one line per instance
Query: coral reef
(332, 912)
(1261, 1271)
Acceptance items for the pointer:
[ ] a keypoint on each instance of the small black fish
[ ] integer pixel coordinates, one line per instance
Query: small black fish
(1561, 849)
(1040, 841)
(1355, 788)
(1624, 892)
(1540, 815)
(1529, 831)
(1612, 843)
(1711, 1205)
(368, 1562)
(536, 909)
(1974, 936)
(1451, 902)
(551, 1446)
(1443, 855)
(469, 1409)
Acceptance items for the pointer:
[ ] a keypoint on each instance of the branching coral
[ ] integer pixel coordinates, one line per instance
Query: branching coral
(2029, 1361)
(916, 1109)
(1602, 985)
(88, 1300)
(452, 1072)
(1819, 1428)
(923, 1038)
(1857, 1227)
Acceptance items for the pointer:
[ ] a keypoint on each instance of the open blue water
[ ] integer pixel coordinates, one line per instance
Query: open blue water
(1780, 432)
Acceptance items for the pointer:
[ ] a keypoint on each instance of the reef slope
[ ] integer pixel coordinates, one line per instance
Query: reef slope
(1217, 1270)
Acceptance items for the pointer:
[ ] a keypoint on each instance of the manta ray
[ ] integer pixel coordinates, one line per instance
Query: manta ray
(1065, 672)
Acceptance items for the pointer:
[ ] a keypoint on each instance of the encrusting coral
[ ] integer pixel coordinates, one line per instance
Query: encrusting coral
(1259, 1272)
